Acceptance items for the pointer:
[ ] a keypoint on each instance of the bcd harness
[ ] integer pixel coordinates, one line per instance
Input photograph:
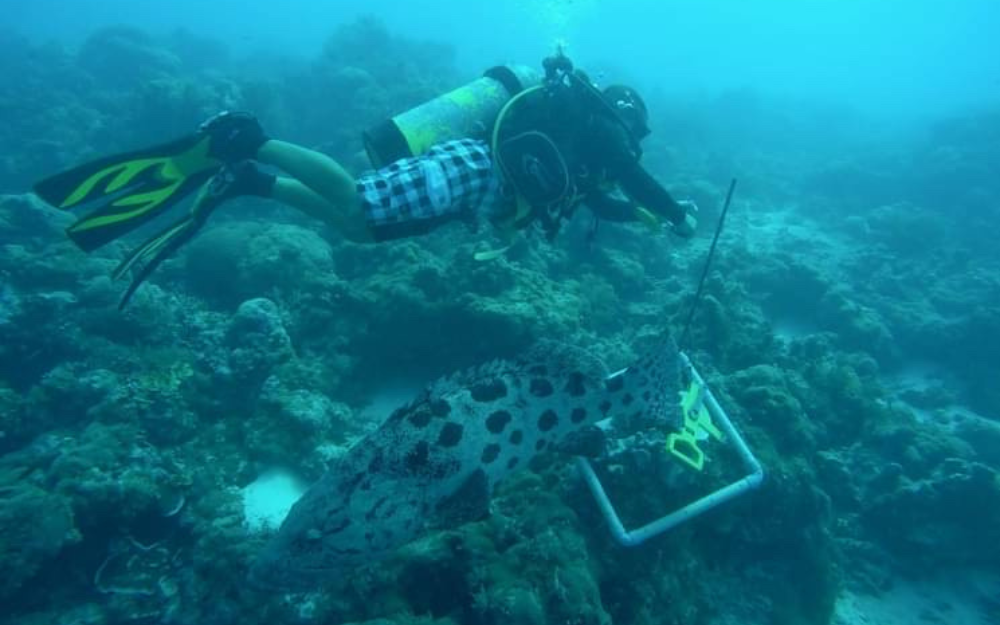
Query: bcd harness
(543, 184)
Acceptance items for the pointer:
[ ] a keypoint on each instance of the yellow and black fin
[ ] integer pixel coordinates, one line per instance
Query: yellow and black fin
(121, 192)
(159, 247)
(153, 252)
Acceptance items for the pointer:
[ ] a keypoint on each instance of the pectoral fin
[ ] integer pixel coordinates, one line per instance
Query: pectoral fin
(470, 502)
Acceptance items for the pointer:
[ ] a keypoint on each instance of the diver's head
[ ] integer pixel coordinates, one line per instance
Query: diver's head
(628, 105)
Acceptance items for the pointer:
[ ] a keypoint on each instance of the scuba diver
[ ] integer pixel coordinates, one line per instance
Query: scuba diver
(512, 148)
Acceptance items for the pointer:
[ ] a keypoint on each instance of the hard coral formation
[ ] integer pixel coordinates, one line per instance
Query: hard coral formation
(226, 265)
(37, 524)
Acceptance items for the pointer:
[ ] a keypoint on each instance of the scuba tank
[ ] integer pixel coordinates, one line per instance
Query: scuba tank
(468, 111)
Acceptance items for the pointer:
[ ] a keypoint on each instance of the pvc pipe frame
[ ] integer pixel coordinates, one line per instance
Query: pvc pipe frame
(632, 538)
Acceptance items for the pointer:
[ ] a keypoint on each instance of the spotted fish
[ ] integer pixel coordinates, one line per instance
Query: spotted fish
(434, 462)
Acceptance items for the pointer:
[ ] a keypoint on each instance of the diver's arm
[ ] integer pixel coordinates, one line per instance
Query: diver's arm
(611, 209)
(646, 191)
(609, 145)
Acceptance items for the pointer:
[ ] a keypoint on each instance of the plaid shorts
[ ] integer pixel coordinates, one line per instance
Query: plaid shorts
(452, 180)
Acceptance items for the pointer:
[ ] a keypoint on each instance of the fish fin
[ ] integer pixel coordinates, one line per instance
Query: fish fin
(589, 442)
(488, 255)
(470, 502)
(564, 357)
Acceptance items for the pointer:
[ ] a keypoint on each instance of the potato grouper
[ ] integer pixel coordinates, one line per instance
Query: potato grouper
(434, 463)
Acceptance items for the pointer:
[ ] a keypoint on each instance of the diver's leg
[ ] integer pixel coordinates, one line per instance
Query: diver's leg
(345, 219)
(318, 186)
(314, 169)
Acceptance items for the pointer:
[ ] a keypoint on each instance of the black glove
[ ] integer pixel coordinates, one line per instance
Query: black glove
(234, 136)
(557, 67)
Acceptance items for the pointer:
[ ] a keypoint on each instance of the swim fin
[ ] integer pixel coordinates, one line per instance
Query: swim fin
(124, 191)
(154, 251)
(242, 178)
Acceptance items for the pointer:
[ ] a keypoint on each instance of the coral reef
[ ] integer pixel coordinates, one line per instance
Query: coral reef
(849, 325)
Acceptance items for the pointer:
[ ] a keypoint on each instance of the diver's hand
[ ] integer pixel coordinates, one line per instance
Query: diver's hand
(557, 66)
(235, 136)
(686, 228)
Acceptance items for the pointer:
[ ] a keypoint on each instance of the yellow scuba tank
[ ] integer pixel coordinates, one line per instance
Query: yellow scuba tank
(468, 111)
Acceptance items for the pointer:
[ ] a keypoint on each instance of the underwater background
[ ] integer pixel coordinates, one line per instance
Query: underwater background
(850, 323)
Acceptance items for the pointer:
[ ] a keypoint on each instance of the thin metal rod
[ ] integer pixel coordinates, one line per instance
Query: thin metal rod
(708, 264)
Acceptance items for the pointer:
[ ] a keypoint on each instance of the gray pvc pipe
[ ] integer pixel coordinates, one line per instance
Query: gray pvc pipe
(631, 538)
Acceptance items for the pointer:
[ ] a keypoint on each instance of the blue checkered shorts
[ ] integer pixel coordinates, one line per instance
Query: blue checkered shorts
(452, 180)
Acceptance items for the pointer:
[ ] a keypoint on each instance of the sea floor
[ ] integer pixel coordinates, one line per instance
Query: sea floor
(953, 598)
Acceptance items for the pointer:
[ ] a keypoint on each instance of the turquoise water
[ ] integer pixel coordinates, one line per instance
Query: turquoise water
(849, 322)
